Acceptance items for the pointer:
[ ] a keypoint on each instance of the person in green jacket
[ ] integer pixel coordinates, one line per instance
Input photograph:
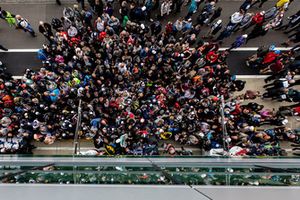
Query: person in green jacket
(125, 20)
(10, 18)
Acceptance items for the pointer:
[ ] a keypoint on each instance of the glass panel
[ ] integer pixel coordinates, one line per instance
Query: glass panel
(242, 172)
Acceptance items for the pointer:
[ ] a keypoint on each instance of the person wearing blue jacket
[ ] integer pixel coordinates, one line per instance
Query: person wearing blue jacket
(192, 9)
(239, 41)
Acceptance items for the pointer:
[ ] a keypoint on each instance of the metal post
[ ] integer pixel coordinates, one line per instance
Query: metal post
(76, 137)
(224, 129)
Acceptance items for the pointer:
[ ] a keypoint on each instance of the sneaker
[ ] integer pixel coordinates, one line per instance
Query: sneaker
(247, 63)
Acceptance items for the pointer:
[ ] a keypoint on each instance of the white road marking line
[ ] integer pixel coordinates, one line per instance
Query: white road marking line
(257, 76)
(221, 49)
(254, 48)
(20, 51)
(17, 77)
(237, 76)
(251, 76)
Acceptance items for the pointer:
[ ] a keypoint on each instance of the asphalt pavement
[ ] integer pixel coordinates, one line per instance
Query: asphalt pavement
(18, 62)
(17, 39)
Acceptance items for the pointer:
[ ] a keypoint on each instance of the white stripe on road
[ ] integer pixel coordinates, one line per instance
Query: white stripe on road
(20, 51)
(257, 76)
(221, 49)
(237, 76)
(254, 48)
(17, 77)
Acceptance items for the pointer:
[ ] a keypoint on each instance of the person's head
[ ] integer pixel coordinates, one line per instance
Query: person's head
(4, 13)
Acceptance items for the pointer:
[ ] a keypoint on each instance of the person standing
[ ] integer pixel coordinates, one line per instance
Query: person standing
(282, 4)
(246, 5)
(9, 18)
(238, 42)
(257, 19)
(99, 8)
(24, 24)
(81, 3)
(192, 9)
(214, 29)
(165, 8)
(46, 30)
(294, 20)
(258, 1)
(228, 30)
(1, 14)
(259, 30)
(216, 14)
(177, 5)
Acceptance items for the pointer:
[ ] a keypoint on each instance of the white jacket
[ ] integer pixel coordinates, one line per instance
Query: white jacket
(165, 8)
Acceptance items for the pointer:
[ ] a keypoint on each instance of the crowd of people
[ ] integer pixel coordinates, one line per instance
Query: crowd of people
(139, 86)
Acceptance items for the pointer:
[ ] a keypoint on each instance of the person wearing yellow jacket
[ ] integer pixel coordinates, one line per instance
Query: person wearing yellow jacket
(282, 4)
(9, 18)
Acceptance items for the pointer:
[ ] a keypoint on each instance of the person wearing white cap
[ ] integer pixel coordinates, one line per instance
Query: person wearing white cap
(24, 24)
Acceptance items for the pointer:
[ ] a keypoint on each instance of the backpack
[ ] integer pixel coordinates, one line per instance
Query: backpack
(41, 55)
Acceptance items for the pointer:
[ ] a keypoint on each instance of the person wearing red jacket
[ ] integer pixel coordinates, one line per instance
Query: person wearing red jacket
(257, 19)
(270, 57)
(274, 68)
(212, 57)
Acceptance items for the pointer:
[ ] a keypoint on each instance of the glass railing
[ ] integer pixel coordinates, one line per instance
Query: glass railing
(159, 171)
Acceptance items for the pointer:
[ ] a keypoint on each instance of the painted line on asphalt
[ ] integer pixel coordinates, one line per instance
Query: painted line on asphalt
(237, 76)
(17, 77)
(254, 48)
(257, 76)
(221, 49)
(20, 51)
